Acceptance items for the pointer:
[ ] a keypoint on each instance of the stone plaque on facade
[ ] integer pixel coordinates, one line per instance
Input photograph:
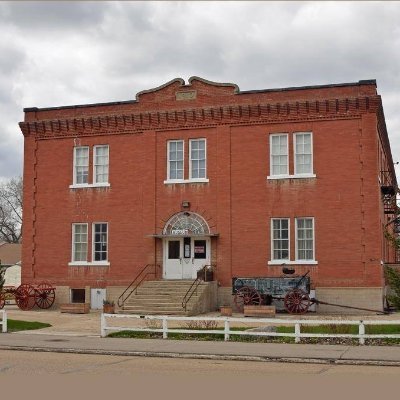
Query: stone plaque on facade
(189, 95)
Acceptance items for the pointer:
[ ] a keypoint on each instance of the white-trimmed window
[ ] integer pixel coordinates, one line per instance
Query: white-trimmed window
(100, 242)
(305, 239)
(175, 160)
(280, 244)
(279, 160)
(303, 156)
(79, 242)
(198, 159)
(81, 165)
(100, 164)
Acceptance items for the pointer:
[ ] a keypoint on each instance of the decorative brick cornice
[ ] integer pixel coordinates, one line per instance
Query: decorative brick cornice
(198, 117)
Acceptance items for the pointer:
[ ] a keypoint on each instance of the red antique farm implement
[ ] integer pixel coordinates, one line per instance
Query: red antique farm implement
(26, 296)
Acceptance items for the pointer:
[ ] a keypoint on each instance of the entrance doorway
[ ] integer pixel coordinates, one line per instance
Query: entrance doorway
(184, 256)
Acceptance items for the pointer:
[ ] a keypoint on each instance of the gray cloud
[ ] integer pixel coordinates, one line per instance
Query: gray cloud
(59, 53)
(52, 16)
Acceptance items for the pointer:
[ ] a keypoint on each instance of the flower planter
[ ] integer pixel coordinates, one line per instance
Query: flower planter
(226, 311)
(108, 309)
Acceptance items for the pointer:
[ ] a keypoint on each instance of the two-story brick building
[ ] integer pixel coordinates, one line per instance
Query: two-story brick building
(202, 173)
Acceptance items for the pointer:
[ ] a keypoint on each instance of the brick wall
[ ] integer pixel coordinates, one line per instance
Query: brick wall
(237, 203)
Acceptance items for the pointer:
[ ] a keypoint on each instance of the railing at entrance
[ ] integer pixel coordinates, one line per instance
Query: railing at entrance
(148, 270)
(202, 276)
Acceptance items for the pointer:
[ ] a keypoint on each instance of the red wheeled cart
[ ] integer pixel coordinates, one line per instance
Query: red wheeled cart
(26, 296)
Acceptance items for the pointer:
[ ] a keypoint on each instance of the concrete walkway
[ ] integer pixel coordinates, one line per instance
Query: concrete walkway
(80, 333)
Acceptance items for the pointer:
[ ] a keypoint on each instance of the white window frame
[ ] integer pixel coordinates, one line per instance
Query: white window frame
(296, 240)
(73, 261)
(191, 179)
(288, 175)
(75, 166)
(169, 180)
(279, 260)
(307, 174)
(272, 175)
(103, 262)
(95, 183)
(76, 185)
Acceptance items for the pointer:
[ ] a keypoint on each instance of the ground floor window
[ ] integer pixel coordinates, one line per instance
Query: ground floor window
(100, 241)
(82, 241)
(280, 238)
(79, 242)
(304, 239)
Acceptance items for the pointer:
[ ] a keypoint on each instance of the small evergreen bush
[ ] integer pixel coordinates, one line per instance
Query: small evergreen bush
(2, 272)
(393, 279)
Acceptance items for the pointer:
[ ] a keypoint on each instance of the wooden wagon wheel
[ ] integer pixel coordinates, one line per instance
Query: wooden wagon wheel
(246, 295)
(2, 300)
(297, 301)
(45, 295)
(25, 297)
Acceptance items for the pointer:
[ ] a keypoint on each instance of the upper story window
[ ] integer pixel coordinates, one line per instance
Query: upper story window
(279, 154)
(100, 156)
(196, 165)
(100, 164)
(197, 159)
(81, 165)
(303, 157)
(281, 166)
(175, 160)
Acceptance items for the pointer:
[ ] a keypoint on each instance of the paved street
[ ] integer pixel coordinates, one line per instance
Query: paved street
(104, 376)
(39, 363)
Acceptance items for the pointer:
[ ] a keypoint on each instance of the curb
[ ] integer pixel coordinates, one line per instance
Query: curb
(293, 360)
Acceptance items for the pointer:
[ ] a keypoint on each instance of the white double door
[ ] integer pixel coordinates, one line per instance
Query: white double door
(183, 257)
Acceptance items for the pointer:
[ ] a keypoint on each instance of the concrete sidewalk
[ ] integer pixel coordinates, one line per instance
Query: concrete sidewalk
(72, 333)
(300, 353)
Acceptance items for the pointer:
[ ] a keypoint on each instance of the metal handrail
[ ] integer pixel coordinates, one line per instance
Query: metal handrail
(193, 287)
(122, 298)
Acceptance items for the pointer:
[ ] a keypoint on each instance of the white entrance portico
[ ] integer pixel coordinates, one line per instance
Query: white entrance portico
(186, 246)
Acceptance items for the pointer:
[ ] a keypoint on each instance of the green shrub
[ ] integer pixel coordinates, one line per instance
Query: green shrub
(2, 272)
(393, 279)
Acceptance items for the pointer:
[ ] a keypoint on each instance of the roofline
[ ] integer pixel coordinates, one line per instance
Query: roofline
(332, 85)
(287, 89)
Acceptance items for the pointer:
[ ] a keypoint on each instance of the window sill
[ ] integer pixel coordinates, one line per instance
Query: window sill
(88, 264)
(298, 262)
(180, 181)
(89, 185)
(297, 176)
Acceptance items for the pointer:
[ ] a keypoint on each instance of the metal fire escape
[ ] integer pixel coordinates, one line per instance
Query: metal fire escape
(389, 191)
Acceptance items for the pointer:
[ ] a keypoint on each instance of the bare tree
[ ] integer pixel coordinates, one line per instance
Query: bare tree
(11, 210)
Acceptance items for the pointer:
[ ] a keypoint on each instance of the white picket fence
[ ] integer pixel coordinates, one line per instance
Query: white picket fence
(227, 321)
(3, 321)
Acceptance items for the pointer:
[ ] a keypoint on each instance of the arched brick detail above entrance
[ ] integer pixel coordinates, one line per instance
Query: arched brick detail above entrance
(186, 223)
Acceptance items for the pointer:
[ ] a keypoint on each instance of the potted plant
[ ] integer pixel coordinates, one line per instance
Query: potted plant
(108, 307)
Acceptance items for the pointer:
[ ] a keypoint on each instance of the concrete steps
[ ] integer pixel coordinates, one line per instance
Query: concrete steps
(162, 297)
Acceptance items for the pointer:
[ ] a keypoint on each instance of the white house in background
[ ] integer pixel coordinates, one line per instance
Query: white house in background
(10, 258)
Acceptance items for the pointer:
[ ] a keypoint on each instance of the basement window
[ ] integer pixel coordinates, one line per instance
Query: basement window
(77, 295)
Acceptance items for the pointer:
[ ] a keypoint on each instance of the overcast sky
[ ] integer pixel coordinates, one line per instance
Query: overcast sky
(63, 53)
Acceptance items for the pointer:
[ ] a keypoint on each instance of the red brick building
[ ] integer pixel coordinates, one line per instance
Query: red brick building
(203, 173)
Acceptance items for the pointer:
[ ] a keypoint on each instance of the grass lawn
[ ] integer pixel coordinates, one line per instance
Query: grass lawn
(15, 325)
(335, 329)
